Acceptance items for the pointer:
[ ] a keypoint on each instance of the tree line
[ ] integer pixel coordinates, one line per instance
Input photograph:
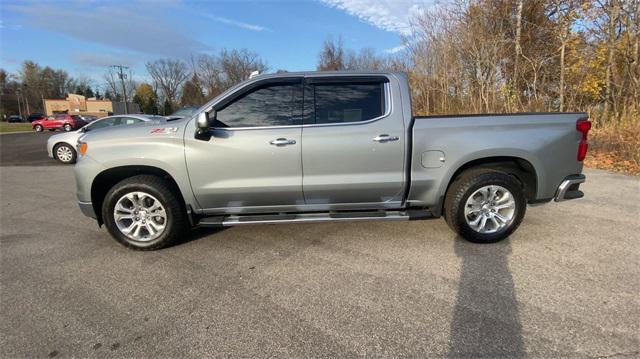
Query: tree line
(483, 56)
(466, 56)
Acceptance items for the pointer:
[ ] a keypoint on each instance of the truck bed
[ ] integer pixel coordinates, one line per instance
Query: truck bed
(441, 145)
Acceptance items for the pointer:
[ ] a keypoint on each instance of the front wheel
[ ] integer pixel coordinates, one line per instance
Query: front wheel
(67, 127)
(485, 206)
(64, 153)
(142, 212)
(38, 128)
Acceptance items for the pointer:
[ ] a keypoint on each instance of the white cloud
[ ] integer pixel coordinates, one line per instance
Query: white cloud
(240, 24)
(389, 15)
(396, 49)
(127, 27)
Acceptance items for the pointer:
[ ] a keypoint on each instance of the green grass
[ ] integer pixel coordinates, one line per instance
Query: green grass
(14, 127)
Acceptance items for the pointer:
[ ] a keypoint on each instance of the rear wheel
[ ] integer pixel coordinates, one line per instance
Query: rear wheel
(38, 128)
(485, 206)
(67, 127)
(142, 212)
(64, 153)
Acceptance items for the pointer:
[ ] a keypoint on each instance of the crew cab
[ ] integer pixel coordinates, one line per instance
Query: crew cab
(326, 146)
(59, 122)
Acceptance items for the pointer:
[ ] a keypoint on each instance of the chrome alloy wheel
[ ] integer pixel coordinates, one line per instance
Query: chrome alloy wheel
(490, 209)
(140, 216)
(64, 154)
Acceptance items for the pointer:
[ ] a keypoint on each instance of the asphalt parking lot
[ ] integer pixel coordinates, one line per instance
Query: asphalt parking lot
(566, 284)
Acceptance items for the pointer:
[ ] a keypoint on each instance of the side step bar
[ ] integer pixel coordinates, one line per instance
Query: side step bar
(236, 220)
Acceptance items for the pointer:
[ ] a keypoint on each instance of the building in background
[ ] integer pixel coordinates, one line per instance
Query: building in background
(79, 105)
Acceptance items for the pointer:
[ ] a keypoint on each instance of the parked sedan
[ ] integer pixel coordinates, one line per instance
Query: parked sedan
(62, 146)
(59, 122)
(14, 118)
(36, 116)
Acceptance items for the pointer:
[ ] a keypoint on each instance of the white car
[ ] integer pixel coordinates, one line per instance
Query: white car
(62, 147)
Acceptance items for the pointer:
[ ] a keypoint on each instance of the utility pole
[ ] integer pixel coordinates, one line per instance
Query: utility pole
(122, 77)
(19, 104)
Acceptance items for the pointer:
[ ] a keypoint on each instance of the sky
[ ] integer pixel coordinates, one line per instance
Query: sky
(84, 37)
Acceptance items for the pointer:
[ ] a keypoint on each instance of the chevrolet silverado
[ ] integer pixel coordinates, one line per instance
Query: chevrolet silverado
(326, 146)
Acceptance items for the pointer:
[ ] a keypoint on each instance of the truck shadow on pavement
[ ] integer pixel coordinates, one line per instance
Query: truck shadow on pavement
(197, 234)
(486, 321)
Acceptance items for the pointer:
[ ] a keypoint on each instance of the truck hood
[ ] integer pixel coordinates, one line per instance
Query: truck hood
(141, 131)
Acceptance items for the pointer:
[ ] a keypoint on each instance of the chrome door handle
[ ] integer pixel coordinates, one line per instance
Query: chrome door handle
(385, 138)
(282, 142)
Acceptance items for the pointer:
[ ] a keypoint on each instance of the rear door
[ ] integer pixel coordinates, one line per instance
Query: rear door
(353, 144)
(252, 161)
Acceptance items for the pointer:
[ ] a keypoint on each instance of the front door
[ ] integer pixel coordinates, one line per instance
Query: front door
(252, 161)
(354, 144)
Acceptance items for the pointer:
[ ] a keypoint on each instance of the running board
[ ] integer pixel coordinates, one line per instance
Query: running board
(237, 220)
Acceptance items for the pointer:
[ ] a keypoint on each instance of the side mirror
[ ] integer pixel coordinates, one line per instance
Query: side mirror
(202, 122)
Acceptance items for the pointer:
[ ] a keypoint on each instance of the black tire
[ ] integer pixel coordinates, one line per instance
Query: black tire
(176, 225)
(74, 155)
(67, 127)
(38, 128)
(464, 186)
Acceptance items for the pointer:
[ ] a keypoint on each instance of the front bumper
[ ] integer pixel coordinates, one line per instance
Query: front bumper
(569, 188)
(87, 209)
(50, 148)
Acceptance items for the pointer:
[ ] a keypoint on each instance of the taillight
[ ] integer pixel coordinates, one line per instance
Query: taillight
(583, 126)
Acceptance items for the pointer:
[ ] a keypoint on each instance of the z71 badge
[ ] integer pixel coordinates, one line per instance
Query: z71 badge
(164, 131)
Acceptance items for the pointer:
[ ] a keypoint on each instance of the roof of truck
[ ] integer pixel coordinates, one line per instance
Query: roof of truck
(324, 73)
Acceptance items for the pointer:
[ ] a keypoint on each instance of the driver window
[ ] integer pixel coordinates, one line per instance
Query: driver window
(268, 105)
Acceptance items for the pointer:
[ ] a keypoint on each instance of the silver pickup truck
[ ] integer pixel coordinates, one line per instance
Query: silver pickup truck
(326, 146)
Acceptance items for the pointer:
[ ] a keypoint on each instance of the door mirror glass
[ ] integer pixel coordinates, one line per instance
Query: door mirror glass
(203, 120)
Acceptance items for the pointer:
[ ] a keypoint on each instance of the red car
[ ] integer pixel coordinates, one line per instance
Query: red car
(64, 121)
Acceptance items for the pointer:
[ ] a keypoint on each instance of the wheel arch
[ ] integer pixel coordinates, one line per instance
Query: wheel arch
(60, 143)
(522, 169)
(106, 179)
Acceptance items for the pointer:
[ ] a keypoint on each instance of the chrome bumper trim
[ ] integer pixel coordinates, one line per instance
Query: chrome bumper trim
(87, 209)
(563, 189)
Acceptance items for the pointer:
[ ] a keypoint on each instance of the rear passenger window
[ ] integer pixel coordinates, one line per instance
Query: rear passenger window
(339, 103)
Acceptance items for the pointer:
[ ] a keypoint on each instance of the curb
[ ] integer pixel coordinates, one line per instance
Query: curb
(16, 132)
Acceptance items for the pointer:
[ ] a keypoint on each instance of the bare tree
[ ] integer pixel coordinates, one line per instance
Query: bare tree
(169, 74)
(113, 84)
(228, 68)
(332, 57)
(237, 65)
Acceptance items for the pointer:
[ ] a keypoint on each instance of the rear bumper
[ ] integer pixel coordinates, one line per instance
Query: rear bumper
(87, 209)
(569, 188)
